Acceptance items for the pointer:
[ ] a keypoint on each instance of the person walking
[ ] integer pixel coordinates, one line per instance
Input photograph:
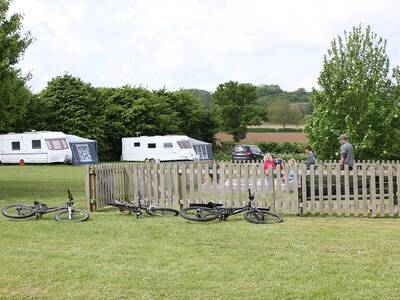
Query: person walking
(346, 152)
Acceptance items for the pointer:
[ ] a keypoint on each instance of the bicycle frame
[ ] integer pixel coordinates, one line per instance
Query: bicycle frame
(224, 212)
(131, 208)
(42, 209)
(64, 213)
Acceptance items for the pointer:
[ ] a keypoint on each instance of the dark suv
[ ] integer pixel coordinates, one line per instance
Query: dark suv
(247, 152)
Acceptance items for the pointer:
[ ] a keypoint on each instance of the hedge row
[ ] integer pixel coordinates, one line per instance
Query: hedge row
(272, 147)
(228, 157)
(281, 148)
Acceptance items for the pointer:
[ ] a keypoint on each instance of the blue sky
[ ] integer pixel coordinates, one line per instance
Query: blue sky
(194, 43)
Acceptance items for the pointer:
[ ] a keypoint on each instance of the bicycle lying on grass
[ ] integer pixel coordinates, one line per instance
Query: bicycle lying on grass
(137, 209)
(212, 211)
(67, 212)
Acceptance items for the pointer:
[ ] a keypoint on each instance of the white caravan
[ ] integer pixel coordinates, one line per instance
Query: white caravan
(158, 148)
(34, 147)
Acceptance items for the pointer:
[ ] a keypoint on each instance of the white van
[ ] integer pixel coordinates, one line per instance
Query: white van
(34, 147)
(158, 148)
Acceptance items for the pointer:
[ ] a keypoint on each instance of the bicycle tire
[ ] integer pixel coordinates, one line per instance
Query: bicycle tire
(77, 216)
(27, 212)
(163, 212)
(199, 214)
(262, 216)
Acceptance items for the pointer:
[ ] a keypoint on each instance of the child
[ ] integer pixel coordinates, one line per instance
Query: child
(292, 162)
(269, 162)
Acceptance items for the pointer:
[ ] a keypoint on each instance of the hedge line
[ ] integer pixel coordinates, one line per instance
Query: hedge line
(285, 150)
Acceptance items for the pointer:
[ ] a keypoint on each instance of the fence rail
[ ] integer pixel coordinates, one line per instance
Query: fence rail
(369, 189)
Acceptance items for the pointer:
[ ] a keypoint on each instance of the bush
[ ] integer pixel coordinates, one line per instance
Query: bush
(287, 147)
(284, 150)
(222, 156)
(271, 147)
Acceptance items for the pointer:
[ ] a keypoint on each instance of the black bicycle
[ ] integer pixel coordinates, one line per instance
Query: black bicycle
(152, 210)
(67, 212)
(212, 211)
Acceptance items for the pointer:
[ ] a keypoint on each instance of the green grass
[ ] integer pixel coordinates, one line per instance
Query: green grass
(115, 256)
(48, 183)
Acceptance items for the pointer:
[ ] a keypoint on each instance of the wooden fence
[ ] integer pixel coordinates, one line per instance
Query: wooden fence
(370, 189)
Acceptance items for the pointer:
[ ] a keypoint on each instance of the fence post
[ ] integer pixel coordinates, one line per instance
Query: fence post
(90, 188)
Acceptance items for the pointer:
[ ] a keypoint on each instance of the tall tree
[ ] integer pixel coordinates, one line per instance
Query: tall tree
(355, 97)
(118, 122)
(283, 113)
(236, 108)
(194, 118)
(74, 107)
(14, 95)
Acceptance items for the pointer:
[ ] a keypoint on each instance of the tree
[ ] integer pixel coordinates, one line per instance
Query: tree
(118, 117)
(194, 117)
(282, 112)
(14, 95)
(74, 107)
(132, 111)
(356, 98)
(235, 108)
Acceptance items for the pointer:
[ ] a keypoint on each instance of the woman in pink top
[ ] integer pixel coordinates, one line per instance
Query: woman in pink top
(269, 162)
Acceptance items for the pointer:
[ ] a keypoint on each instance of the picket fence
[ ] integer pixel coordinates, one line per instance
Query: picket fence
(370, 189)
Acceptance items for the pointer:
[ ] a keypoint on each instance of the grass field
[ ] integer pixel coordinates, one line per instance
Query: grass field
(115, 256)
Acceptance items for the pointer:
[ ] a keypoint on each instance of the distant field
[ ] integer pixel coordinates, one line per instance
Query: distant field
(252, 137)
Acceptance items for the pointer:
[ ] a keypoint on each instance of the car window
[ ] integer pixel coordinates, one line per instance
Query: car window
(255, 149)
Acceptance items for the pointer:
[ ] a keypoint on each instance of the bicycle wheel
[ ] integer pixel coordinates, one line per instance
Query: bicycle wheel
(163, 212)
(262, 216)
(200, 214)
(18, 211)
(76, 216)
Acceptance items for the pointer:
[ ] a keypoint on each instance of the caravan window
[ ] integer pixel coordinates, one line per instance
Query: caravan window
(184, 144)
(136, 144)
(36, 144)
(167, 145)
(56, 144)
(151, 145)
(15, 146)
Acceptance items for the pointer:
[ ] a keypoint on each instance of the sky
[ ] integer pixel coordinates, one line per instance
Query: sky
(194, 43)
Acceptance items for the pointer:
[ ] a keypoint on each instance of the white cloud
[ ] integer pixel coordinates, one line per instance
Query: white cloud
(193, 43)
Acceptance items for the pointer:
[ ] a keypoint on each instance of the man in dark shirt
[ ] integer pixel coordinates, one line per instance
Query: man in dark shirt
(346, 152)
(310, 157)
